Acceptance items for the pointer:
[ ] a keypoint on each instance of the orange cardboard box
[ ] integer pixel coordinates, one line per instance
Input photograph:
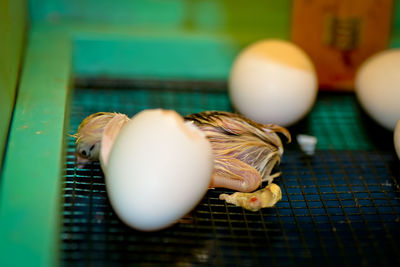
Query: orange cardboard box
(339, 35)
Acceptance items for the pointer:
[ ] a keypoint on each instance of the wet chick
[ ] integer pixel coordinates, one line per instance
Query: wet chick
(245, 151)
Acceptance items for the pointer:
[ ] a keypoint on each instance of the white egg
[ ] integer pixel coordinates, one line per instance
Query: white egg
(396, 138)
(377, 86)
(158, 170)
(273, 81)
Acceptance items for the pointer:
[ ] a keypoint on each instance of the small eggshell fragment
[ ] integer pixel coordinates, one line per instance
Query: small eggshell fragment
(377, 86)
(397, 138)
(158, 170)
(307, 143)
(273, 81)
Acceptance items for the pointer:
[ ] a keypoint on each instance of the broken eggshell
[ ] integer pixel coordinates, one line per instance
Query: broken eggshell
(307, 143)
(158, 169)
(111, 131)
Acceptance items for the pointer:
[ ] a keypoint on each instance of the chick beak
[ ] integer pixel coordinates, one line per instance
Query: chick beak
(81, 161)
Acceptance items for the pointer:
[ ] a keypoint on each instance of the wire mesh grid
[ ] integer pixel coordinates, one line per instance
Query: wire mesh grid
(340, 206)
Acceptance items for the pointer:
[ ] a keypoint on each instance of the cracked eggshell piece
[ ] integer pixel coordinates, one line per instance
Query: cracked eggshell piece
(110, 134)
(397, 138)
(158, 170)
(307, 143)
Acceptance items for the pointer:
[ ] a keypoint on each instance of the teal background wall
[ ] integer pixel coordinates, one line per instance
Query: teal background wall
(259, 18)
(156, 38)
(211, 16)
(150, 57)
(185, 39)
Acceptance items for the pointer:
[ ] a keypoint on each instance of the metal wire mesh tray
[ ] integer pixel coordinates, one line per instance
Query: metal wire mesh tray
(339, 207)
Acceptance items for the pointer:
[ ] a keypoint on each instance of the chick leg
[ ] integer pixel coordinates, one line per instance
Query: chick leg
(235, 174)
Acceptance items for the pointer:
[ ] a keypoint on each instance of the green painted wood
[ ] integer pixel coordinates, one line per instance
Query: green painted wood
(30, 194)
(12, 32)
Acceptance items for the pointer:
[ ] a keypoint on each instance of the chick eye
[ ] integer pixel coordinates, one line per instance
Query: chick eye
(83, 153)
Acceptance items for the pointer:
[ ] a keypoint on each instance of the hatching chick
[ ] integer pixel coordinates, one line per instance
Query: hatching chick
(90, 133)
(245, 151)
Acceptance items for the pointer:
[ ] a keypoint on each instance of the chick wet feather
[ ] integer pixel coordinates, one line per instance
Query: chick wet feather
(245, 151)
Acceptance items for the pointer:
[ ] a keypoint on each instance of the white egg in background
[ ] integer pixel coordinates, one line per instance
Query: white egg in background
(377, 86)
(158, 170)
(273, 81)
